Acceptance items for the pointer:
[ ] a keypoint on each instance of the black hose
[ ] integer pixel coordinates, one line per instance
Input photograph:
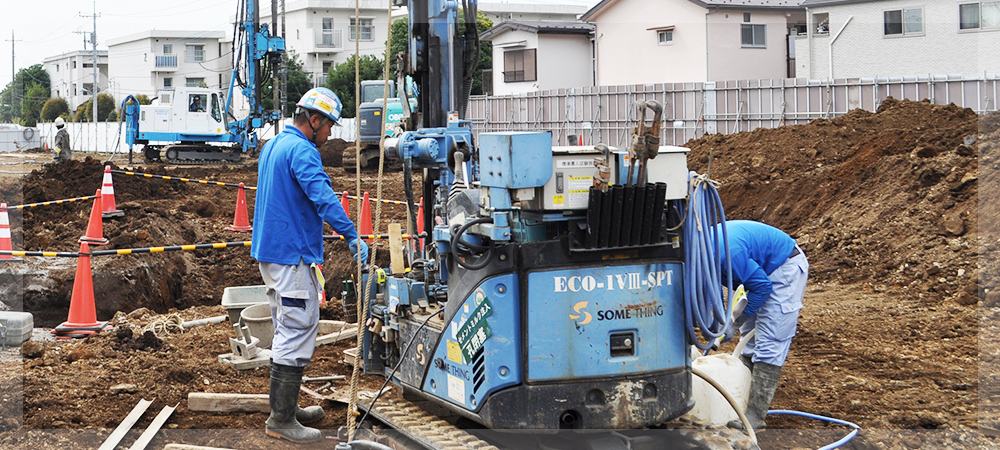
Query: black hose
(456, 240)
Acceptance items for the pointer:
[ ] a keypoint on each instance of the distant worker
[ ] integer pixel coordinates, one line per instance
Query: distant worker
(294, 198)
(62, 148)
(196, 104)
(773, 270)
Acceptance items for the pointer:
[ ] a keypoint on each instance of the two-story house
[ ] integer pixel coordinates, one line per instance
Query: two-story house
(146, 62)
(533, 56)
(870, 38)
(72, 75)
(324, 32)
(636, 42)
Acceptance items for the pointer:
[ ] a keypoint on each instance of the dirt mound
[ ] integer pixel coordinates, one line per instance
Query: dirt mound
(157, 213)
(887, 199)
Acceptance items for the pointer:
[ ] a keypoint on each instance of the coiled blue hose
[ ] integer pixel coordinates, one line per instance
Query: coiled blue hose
(706, 308)
(834, 445)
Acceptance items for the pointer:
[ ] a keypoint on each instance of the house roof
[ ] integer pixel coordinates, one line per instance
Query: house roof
(716, 4)
(833, 2)
(167, 34)
(538, 27)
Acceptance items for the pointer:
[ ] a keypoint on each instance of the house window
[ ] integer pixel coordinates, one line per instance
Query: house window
(57, 69)
(168, 83)
(367, 29)
(168, 49)
(746, 17)
(195, 82)
(74, 64)
(753, 35)
(904, 22)
(194, 53)
(665, 37)
(519, 65)
(979, 15)
(822, 22)
(326, 66)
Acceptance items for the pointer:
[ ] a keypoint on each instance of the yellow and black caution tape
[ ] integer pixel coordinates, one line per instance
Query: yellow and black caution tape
(171, 248)
(54, 202)
(42, 254)
(190, 180)
(392, 202)
(366, 236)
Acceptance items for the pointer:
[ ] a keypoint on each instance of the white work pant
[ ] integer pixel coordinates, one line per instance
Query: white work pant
(293, 292)
(776, 319)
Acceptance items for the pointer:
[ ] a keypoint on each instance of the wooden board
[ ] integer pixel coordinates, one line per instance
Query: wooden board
(337, 336)
(116, 436)
(396, 262)
(201, 401)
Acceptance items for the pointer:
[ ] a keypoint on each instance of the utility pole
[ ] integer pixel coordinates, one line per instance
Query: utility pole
(93, 88)
(13, 87)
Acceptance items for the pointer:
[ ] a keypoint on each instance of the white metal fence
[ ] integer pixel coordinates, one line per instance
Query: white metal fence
(690, 110)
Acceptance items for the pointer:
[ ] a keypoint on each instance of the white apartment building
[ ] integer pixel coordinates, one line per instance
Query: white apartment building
(72, 75)
(145, 62)
(322, 32)
(879, 38)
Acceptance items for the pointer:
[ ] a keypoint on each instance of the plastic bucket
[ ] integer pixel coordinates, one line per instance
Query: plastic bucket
(728, 371)
(258, 320)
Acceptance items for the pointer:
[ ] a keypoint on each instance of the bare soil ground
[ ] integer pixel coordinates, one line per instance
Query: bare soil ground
(897, 332)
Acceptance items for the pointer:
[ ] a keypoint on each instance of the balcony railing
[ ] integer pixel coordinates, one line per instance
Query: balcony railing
(166, 60)
(329, 39)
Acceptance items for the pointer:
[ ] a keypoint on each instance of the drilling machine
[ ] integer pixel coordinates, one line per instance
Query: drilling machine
(537, 300)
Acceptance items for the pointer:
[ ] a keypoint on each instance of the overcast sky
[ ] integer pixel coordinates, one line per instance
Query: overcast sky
(44, 28)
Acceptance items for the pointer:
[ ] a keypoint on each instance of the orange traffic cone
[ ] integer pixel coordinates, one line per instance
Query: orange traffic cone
(108, 208)
(420, 224)
(240, 220)
(95, 228)
(5, 243)
(346, 203)
(365, 221)
(82, 320)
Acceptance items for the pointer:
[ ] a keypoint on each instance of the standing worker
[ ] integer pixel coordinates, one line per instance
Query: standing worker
(63, 150)
(294, 198)
(773, 270)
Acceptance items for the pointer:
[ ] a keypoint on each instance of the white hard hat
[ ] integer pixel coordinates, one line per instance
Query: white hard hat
(60, 122)
(323, 101)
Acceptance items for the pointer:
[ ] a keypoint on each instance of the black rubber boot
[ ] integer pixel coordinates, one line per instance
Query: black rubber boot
(309, 414)
(763, 383)
(747, 361)
(284, 398)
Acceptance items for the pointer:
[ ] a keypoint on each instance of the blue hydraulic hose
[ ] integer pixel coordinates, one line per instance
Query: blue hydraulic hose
(705, 305)
(834, 445)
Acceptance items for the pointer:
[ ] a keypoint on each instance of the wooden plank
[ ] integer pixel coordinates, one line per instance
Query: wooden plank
(191, 447)
(203, 401)
(396, 261)
(338, 336)
(319, 379)
(311, 393)
(116, 436)
(153, 428)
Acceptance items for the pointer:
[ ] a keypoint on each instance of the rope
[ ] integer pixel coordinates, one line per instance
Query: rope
(165, 325)
(352, 409)
(362, 305)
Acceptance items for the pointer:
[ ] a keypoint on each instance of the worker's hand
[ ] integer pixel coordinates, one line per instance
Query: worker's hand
(359, 249)
(733, 327)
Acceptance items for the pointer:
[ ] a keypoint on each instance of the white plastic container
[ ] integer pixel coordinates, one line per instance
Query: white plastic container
(728, 371)
(235, 298)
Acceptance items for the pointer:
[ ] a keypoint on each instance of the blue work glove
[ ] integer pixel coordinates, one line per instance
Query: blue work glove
(359, 249)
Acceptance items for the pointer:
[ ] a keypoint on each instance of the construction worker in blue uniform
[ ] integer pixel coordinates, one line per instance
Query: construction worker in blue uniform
(773, 270)
(294, 198)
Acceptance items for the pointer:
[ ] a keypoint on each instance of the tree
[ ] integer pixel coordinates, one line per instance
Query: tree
(19, 94)
(54, 107)
(31, 105)
(400, 42)
(105, 108)
(299, 83)
(341, 80)
(143, 99)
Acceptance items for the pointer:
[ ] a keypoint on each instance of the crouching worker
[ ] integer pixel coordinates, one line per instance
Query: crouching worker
(773, 270)
(294, 198)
